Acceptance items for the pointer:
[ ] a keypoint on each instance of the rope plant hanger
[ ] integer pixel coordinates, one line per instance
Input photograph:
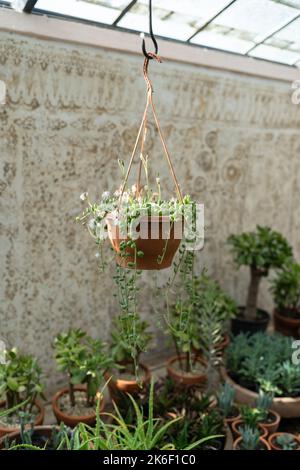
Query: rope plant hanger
(144, 229)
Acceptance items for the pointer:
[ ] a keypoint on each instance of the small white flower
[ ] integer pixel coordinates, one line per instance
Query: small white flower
(158, 181)
(105, 195)
(83, 196)
(97, 255)
(134, 188)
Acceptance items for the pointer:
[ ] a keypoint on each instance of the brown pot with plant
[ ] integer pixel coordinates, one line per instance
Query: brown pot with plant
(250, 439)
(84, 360)
(20, 378)
(284, 441)
(285, 288)
(130, 337)
(261, 251)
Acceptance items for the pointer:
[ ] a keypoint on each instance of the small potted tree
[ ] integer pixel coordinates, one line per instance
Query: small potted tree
(286, 291)
(261, 251)
(20, 384)
(130, 337)
(84, 360)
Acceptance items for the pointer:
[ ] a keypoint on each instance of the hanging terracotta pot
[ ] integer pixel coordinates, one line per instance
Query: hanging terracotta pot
(154, 249)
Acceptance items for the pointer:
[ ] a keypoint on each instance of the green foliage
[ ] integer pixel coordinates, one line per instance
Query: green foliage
(263, 249)
(225, 398)
(287, 441)
(20, 380)
(130, 337)
(251, 416)
(286, 288)
(250, 438)
(263, 404)
(83, 359)
(264, 361)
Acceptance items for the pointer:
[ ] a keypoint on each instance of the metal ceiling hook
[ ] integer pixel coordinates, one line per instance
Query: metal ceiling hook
(148, 56)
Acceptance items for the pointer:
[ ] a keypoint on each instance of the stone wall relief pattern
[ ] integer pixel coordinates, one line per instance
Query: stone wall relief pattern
(71, 112)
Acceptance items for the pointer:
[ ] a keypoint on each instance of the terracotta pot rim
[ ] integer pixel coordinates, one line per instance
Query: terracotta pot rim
(179, 373)
(276, 434)
(64, 391)
(39, 417)
(274, 423)
(236, 422)
(254, 395)
(238, 440)
(288, 320)
(145, 378)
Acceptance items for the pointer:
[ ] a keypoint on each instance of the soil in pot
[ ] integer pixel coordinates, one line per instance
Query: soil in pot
(263, 444)
(72, 415)
(123, 380)
(287, 322)
(11, 423)
(275, 445)
(177, 371)
(240, 324)
(158, 252)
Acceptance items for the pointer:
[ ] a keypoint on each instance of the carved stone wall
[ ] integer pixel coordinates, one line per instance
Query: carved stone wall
(70, 112)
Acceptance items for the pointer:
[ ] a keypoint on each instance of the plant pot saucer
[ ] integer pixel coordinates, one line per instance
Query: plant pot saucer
(287, 407)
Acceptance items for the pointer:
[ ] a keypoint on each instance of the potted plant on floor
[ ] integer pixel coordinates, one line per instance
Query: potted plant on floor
(261, 251)
(250, 418)
(284, 441)
(225, 400)
(84, 360)
(20, 382)
(262, 361)
(250, 440)
(130, 337)
(269, 418)
(286, 292)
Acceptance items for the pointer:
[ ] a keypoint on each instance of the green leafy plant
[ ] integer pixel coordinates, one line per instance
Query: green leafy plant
(20, 381)
(263, 404)
(287, 441)
(285, 288)
(250, 438)
(130, 337)
(250, 416)
(263, 361)
(261, 251)
(83, 359)
(225, 399)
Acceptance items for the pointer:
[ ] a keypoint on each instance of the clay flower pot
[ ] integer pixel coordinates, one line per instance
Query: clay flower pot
(43, 431)
(274, 424)
(162, 244)
(38, 420)
(239, 422)
(182, 377)
(286, 325)
(272, 440)
(73, 420)
(261, 439)
(117, 384)
(286, 407)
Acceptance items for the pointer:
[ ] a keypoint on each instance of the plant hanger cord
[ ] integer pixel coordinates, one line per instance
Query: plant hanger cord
(143, 127)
